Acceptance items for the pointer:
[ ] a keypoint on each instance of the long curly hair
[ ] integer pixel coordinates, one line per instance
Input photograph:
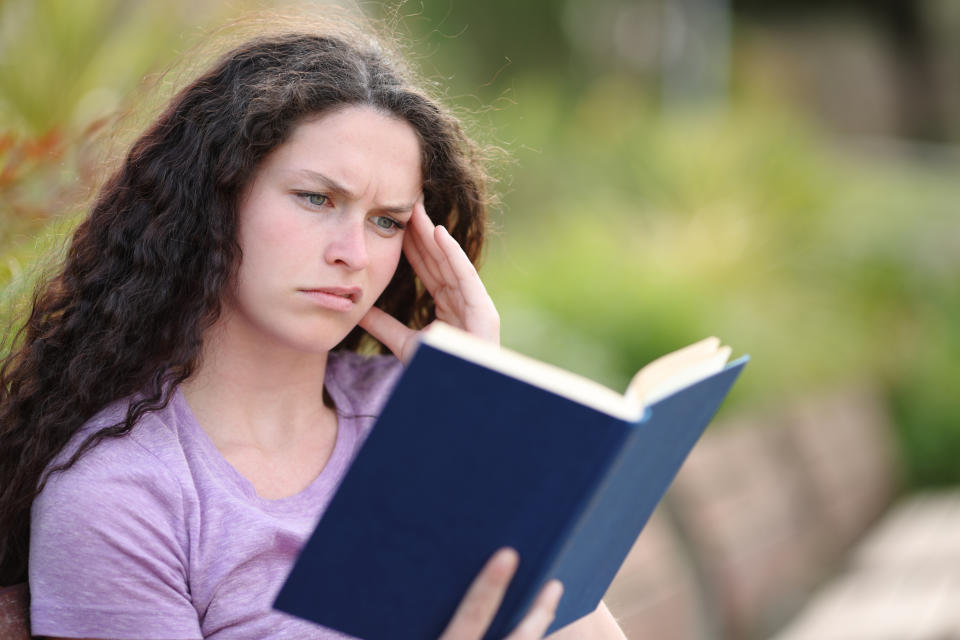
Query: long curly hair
(145, 272)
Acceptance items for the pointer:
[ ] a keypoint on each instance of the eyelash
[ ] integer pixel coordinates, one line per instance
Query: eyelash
(308, 196)
(395, 225)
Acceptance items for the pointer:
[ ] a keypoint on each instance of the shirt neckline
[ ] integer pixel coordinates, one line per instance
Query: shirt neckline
(227, 475)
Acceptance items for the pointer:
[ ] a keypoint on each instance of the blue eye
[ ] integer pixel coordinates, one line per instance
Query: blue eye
(316, 199)
(387, 224)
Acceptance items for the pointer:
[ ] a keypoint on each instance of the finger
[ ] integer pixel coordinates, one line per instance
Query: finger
(450, 277)
(479, 313)
(448, 250)
(541, 614)
(459, 271)
(420, 242)
(414, 254)
(480, 604)
(425, 240)
(395, 335)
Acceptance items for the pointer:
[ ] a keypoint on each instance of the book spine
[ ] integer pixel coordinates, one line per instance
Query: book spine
(630, 489)
(585, 579)
(507, 619)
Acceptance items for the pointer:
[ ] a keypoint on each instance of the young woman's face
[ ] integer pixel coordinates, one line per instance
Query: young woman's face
(321, 228)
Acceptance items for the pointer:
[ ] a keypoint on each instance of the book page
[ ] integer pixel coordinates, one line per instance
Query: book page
(657, 380)
(676, 370)
(532, 371)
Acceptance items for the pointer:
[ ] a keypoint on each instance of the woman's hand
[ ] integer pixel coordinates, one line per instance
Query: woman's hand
(480, 604)
(445, 270)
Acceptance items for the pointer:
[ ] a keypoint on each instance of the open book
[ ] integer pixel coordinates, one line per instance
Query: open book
(480, 447)
(656, 380)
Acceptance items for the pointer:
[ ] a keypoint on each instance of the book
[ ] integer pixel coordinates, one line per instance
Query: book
(479, 447)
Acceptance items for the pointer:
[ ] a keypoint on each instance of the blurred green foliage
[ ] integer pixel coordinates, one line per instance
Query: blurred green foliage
(63, 58)
(647, 232)
(627, 229)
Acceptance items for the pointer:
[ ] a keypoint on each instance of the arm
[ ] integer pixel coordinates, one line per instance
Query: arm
(599, 625)
(107, 556)
(480, 604)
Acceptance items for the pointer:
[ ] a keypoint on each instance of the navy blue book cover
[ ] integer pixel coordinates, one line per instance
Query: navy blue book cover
(464, 460)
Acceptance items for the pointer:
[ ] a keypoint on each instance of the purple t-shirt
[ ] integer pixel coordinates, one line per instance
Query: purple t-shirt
(155, 535)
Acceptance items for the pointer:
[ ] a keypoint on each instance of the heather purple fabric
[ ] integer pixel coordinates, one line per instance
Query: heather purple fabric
(156, 536)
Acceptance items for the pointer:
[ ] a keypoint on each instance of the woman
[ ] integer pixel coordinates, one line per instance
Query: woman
(186, 393)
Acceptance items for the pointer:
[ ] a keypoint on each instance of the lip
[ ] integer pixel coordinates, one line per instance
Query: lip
(334, 298)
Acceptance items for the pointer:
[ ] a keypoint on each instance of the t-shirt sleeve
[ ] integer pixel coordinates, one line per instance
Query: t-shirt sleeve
(109, 549)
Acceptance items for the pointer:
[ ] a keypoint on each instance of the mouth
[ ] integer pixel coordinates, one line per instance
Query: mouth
(350, 293)
(336, 298)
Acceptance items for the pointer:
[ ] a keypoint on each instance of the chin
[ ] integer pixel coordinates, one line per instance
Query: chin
(312, 337)
(335, 335)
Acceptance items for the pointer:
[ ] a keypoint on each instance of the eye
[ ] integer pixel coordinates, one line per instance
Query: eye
(387, 225)
(313, 200)
(316, 199)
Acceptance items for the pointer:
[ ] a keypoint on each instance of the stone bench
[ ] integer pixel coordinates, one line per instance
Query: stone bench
(761, 516)
(901, 581)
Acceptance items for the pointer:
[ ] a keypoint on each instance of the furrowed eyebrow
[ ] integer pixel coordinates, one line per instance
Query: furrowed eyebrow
(339, 189)
(329, 183)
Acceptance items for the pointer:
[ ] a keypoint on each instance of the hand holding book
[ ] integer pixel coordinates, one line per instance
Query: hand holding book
(462, 303)
(480, 448)
(479, 606)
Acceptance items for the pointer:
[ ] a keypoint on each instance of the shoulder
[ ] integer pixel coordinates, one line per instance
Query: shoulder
(129, 471)
(118, 498)
(118, 513)
(359, 383)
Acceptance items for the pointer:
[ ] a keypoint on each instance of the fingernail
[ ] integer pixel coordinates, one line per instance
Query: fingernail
(556, 588)
(505, 557)
(505, 561)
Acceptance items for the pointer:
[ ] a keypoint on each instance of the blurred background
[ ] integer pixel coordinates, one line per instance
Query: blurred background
(782, 174)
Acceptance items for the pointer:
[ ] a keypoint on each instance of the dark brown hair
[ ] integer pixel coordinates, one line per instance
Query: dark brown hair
(145, 271)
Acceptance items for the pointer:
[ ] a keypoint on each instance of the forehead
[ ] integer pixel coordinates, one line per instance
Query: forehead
(358, 146)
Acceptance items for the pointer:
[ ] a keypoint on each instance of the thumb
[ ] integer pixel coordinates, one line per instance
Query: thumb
(395, 335)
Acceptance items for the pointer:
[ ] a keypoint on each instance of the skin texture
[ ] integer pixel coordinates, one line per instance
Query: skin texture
(254, 390)
(298, 232)
(302, 237)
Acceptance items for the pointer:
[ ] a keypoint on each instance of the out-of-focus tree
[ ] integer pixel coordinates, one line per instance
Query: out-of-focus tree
(678, 49)
(66, 69)
(909, 30)
(634, 225)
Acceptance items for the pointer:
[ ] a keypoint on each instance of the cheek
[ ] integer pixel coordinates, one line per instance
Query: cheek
(385, 265)
(273, 235)
(268, 244)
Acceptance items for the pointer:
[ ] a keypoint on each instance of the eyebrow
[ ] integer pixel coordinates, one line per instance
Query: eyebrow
(339, 189)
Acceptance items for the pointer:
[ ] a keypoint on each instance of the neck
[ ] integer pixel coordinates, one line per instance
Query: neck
(248, 392)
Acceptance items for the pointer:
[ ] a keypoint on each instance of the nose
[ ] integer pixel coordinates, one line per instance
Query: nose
(348, 246)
